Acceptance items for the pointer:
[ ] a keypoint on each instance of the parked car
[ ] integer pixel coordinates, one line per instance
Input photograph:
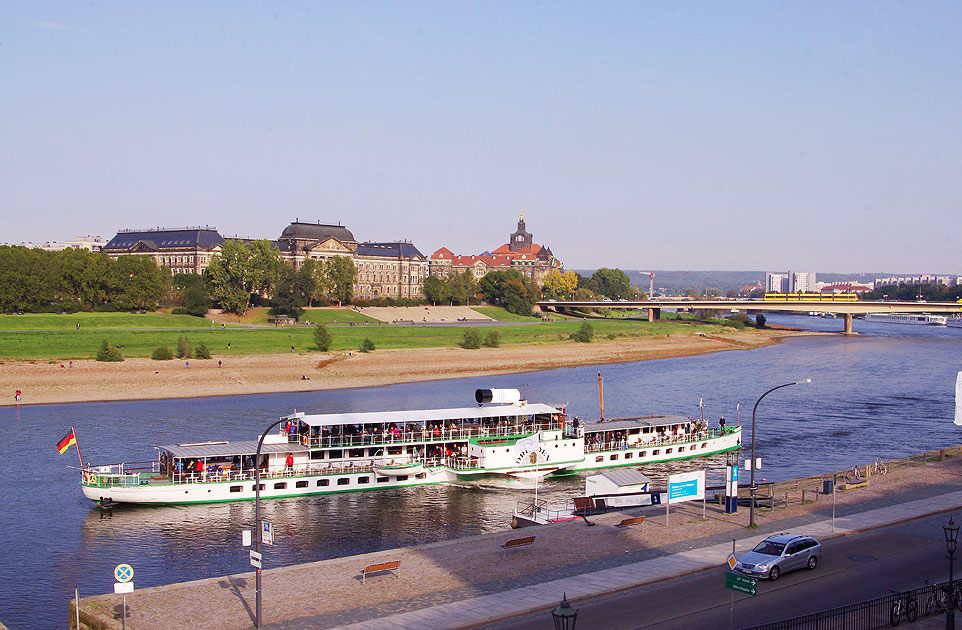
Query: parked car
(779, 554)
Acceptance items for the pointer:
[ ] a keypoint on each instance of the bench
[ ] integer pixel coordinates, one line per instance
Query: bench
(637, 520)
(392, 566)
(518, 542)
(851, 485)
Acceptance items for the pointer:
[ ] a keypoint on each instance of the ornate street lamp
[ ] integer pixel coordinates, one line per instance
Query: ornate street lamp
(951, 544)
(564, 616)
(751, 507)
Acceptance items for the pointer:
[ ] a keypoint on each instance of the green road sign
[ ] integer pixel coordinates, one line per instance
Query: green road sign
(741, 583)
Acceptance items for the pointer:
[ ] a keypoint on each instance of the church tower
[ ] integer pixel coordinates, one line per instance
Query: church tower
(521, 239)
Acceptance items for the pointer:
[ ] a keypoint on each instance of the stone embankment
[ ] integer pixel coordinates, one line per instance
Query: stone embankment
(331, 593)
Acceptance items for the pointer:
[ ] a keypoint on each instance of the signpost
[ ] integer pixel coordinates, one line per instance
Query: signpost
(256, 560)
(741, 583)
(683, 487)
(124, 573)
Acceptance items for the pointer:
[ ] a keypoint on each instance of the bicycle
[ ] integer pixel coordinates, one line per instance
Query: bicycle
(880, 467)
(935, 602)
(854, 474)
(903, 606)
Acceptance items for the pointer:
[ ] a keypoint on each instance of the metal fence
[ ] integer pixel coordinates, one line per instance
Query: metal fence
(869, 615)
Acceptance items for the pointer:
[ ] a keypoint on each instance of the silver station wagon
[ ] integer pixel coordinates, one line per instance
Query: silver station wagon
(779, 554)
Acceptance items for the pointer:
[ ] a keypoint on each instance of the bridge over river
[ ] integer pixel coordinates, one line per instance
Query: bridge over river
(845, 309)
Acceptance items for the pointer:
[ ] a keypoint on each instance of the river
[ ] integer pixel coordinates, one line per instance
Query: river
(888, 392)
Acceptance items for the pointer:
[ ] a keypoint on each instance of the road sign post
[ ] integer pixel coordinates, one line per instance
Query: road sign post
(124, 573)
(741, 583)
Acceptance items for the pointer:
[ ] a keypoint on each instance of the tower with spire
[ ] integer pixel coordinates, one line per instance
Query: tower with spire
(521, 239)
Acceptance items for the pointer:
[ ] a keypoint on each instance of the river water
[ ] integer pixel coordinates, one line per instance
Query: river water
(888, 392)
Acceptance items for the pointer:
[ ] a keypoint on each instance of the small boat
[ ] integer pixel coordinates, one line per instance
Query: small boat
(395, 470)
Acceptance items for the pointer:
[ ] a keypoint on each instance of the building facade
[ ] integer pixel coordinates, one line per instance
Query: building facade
(520, 252)
(182, 250)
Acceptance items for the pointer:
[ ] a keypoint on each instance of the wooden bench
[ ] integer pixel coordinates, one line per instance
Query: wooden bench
(392, 566)
(851, 485)
(637, 520)
(518, 542)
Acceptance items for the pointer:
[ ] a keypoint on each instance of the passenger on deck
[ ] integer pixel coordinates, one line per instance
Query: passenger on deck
(289, 462)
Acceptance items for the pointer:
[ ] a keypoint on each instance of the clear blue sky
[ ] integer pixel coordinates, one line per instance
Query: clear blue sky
(818, 136)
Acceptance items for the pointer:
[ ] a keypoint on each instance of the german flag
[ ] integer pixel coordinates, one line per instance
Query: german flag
(67, 440)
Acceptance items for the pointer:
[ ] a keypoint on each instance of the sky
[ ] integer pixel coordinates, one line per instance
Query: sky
(817, 136)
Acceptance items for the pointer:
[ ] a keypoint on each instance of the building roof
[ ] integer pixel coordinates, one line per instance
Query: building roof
(506, 249)
(230, 449)
(389, 250)
(316, 232)
(618, 424)
(427, 415)
(201, 238)
(624, 477)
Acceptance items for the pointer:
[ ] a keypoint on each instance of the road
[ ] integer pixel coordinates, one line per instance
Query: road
(853, 568)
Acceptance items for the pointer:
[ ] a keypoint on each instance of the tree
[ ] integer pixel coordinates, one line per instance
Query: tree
(265, 267)
(293, 293)
(138, 283)
(760, 320)
(367, 345)
(461, 286)
(108, 352)
(612, 283)
(433, 289)
(559, 286)
(228, 275)
(584, 334)
(472, 339)
(492, 339)
(322, 337)
(317, 272)
(515, 297)
(183, 347)
(342, 276)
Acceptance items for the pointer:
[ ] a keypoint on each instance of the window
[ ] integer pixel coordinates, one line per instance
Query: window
(629, 455)
(364, 480)
(301, 484)
(655, 452)
(421, 476)
(343, 481)
(402, 477)
(643, 454)
(614, 457)
(667, 451)
(681, 449)
(323, 482)
(236, 488)
(280, 485)
(600, 458)
(383, 479)
(254, 487)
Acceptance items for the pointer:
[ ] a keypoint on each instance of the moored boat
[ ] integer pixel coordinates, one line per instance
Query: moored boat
(917, 319)
(324, 453)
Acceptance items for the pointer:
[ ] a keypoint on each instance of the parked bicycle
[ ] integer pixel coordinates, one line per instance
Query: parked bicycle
(854, 474)
(903, 606)
(880, 467)
(935, 601)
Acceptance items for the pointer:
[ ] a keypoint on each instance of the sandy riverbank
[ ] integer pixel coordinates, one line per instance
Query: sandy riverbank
(133, 379)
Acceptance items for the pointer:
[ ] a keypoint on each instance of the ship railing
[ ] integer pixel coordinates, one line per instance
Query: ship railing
(420, 436)
(684, 438)
(125, 474)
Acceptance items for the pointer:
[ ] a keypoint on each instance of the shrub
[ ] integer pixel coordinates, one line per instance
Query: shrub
(322, 337)
(367, 345)
(584, 334)
(162, 353)
(201, 351)
(472, 339)
(108, 352)
(183, 347)
(760, 321)
(493, 339)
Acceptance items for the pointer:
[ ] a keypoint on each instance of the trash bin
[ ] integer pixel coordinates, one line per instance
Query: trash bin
(828, 485)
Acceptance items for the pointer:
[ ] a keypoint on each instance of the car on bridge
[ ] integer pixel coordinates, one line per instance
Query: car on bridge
(779, 554)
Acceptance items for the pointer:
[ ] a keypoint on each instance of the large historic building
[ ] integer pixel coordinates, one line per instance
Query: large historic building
(520, 252)
(393, 269)
(182, 250)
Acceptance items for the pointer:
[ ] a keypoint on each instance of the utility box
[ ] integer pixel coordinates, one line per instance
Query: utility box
(828, 486)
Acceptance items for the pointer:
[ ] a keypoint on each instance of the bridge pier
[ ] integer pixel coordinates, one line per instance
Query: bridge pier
(848, 323)
(654, 314)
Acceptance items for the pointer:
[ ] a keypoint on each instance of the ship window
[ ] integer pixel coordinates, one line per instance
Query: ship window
(681, 449)
(317, 454)
(643, 454)
(364, 480)
(629, 455)
(301, 484)
(343, 481)
(656, 452)
(383, 479)
(614, 457)
(254, 487)
(704, 444)
(667, 451)
(421, 476)
(237, 488)
(357, 452)
(600, 458)
(280, 485)
(402, 477)
(394, 450)
(335, 454)
(323, 482)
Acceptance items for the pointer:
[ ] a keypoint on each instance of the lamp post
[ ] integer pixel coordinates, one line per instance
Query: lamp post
(257, 520)
(564, 616)
(751, 506)
(951, 543)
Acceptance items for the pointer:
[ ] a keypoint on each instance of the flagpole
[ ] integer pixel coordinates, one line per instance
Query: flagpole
(77, 444)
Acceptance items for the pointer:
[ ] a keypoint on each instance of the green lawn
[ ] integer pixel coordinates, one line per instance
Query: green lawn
(334, 314)
(87, 321)
(60, 344)
(498, 313)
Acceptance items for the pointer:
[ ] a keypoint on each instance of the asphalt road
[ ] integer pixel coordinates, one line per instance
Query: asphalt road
(853, 568)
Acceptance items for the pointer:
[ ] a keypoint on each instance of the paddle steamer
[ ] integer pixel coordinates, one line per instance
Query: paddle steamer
(314, 454)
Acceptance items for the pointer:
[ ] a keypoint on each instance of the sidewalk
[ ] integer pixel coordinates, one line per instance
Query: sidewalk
(474, 611)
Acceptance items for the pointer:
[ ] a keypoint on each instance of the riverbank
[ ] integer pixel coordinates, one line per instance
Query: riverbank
(330, 593)
(137, 379)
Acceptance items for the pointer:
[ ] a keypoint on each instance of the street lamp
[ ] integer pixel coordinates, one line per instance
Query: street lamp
(257, 521)
(951, 544)
(751, 506)
(564, 616)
